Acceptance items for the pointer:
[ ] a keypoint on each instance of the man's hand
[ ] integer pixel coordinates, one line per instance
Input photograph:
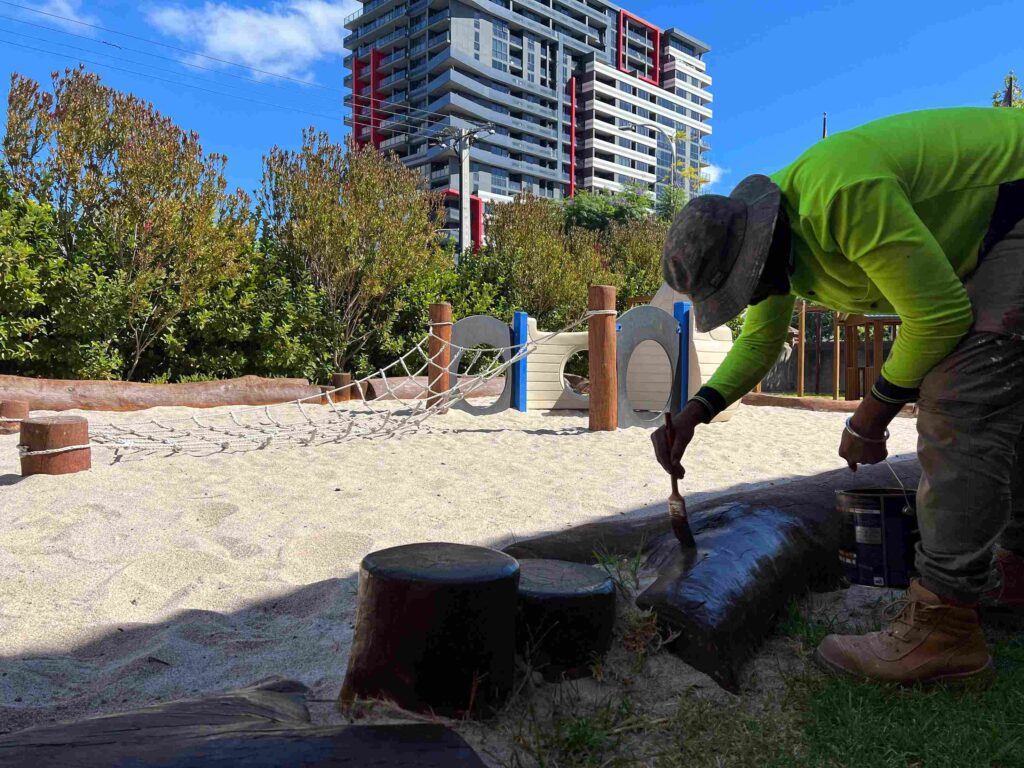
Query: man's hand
(869, 421)
(856, 451)
(683, 425)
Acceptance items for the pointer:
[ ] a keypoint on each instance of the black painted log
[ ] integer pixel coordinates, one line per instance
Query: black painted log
(266, 726)
(812, 497)
(722, 599)
(566, 616)
(435, 629)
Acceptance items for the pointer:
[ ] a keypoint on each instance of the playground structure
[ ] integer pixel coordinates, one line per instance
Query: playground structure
(626, 389)
(651, 368)
(853, 374)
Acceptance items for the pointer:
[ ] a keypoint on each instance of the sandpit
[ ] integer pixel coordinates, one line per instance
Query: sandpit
(168, 577)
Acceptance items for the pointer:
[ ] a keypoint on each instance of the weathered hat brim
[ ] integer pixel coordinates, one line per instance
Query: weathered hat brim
(762, 197)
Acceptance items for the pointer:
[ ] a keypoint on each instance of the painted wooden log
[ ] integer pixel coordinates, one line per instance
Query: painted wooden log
(440, 351)
(12, 413)
(604, 404)
(415, 388)
(61, 395)
(265, 726)
(566, 616)
(55, 445)
(435, 629)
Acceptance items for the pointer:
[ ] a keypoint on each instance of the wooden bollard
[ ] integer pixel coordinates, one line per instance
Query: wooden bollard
(604, 404)
(339, 380)
(12, 413)
(55, 445)
(435, 629)
(440, 351)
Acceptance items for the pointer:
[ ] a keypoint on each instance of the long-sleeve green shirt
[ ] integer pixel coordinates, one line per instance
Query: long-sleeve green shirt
(886, 218)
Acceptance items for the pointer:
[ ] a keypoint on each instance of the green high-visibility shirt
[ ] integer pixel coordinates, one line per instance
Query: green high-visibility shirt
(886, 218)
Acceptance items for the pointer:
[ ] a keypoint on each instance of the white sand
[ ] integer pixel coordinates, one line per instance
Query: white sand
(167, 577)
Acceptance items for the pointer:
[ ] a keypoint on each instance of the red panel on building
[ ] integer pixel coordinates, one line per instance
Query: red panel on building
(359, 121)
(375, 59)
(476, 217)
(654, 34)
(572, 136)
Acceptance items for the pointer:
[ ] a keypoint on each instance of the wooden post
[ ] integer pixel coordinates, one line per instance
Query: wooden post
(342, 382)
(819, 321)
(835, 356)
(801, 360)
(852, 367)
(601, 340)
(12, 413)
(440, 351)
(878, 357)
(55, 445)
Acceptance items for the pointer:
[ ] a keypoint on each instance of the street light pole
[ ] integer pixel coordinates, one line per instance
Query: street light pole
(671, 136)
(460, 140)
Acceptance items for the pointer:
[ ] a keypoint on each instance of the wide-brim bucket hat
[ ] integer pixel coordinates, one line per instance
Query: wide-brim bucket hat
(717, 247)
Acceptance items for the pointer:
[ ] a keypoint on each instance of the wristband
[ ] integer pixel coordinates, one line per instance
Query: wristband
(860, 437)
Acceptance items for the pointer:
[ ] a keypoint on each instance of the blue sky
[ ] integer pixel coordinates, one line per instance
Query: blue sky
(776, 66)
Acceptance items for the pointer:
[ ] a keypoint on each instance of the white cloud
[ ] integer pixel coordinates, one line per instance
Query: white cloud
(283, 38)
(713, 174)
(65, 13)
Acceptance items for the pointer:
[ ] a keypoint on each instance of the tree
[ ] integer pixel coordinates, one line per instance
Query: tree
(131, 192)
(361, 225)
(1011, 94)
(547, 264)
(633, 251)
(597, 210)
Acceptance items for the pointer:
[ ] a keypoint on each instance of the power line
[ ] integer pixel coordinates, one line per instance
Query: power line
(119, 47)
(199, 88)
(125, 59)
(168, 45)
(371, 99)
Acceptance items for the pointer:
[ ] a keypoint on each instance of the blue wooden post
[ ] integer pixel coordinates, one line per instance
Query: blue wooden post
(518, 370)
(681, 311)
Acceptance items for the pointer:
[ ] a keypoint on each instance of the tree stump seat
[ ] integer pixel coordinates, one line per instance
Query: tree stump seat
(435, 629)
(566, 616)
(12, 413)
(55, 445)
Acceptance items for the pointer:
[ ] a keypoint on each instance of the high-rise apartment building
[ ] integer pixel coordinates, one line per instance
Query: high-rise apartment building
(582, 94)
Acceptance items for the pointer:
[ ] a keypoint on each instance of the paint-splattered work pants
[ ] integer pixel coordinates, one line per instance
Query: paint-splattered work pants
(971, 435)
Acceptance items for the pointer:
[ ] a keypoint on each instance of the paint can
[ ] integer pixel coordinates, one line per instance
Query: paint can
(879, 532)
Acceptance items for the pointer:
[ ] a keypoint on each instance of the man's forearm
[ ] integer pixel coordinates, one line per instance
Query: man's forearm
(873, 416)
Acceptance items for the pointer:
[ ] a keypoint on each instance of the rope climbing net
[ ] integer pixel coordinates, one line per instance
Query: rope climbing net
(396, 400)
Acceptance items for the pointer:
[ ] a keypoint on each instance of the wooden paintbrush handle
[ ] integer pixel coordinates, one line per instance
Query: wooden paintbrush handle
(671, 435)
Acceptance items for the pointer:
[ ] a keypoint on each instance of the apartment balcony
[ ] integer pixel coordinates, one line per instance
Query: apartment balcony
(397, 55)
(479, 112)
(438, 40)
(518, 166)
(390, 17)
(438, 18)
(493, 94)
(384, 42)
(390, 80)
(394, 141)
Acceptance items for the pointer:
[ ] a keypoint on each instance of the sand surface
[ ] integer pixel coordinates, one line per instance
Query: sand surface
(168, 577)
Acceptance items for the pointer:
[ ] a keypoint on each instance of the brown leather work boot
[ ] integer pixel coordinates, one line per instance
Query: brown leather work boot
(1009, 592)
(929, 641)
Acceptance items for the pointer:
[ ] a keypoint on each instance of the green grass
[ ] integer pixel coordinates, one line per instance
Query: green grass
(814, 721)
(863, 725)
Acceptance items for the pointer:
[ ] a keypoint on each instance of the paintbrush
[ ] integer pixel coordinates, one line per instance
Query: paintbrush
(676, 503)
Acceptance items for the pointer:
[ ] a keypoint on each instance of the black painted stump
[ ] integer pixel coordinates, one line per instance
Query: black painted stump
(435, 629)
(566, 616)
